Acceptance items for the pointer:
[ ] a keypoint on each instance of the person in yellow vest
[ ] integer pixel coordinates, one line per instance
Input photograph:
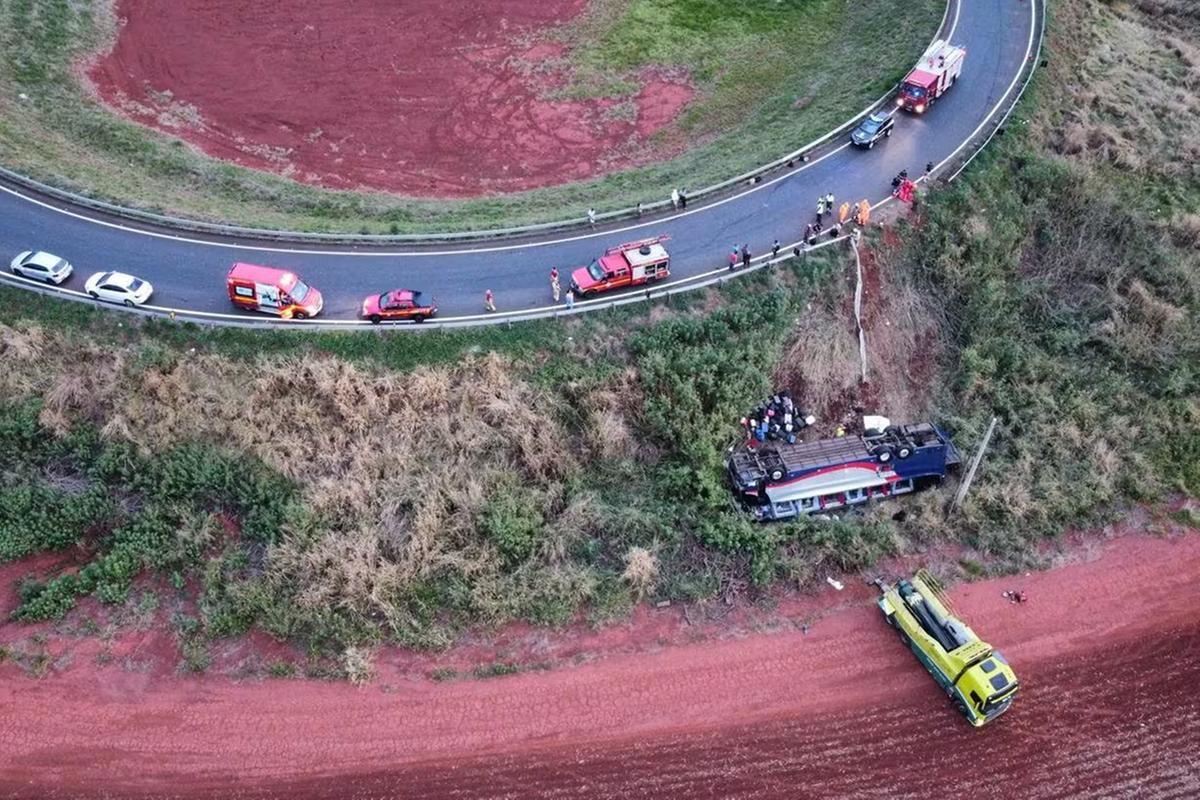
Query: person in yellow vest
(864, 213)
(844, 213)
(841, 431)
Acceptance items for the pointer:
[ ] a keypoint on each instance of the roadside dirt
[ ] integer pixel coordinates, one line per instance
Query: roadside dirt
(1106, 648)
(427, 99)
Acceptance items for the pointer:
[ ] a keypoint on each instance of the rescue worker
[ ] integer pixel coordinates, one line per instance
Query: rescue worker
(489, 301)
(820, 208)
(844, 213)
(864, 213)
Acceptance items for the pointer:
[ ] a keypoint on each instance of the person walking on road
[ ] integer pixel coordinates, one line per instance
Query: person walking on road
(844, 213)
(829, 202)
(489, 301)
(820, 208)
(745, 255)
(674, 198)
(775, 250)
(864, 213)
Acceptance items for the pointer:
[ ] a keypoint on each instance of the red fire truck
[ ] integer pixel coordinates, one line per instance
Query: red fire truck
(936, 72)
(629, 264)
(272, 291)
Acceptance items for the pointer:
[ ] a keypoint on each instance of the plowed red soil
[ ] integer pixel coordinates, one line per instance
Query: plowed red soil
(1108, 651)
(435, 98)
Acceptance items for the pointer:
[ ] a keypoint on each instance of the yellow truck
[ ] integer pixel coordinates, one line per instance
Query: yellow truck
(974, 676)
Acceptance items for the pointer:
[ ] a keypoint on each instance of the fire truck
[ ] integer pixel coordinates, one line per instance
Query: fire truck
(777, 480)
(629, 264)
(936, 72)
(272, 291)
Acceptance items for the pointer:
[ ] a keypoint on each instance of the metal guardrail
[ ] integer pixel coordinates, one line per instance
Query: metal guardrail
(709, 278)
(238, 231)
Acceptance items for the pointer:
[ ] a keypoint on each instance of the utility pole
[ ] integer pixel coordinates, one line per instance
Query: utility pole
(966, 484)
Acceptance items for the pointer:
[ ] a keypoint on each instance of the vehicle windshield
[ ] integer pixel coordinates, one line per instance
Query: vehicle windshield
(596, 271)
(870, 126)
(914, 91)
(299, 291)
(135, 284)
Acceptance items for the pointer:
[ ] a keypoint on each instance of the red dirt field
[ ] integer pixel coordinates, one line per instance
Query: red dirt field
(428, 98)
(1108, 650)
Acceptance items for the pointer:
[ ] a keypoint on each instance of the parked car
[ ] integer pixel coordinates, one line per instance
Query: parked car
(41, 267)
(397, 304)
(873, 128)
(117, 287)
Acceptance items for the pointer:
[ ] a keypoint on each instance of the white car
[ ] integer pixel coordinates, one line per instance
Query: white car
(117, 287)
(41, 267)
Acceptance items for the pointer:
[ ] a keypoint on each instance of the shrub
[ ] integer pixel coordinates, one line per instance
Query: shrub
(512, 520)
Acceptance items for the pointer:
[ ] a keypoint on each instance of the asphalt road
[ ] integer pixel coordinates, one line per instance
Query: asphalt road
(188, 271)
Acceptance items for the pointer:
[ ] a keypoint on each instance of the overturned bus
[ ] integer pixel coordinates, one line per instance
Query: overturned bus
(775, 480)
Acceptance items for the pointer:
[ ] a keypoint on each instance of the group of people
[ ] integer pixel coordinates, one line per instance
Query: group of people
(777, 419)
(861, 212)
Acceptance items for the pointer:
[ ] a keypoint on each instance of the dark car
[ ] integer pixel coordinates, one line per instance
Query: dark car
(873, 128)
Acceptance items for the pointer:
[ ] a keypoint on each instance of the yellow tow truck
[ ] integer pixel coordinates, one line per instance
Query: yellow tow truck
(974, 676)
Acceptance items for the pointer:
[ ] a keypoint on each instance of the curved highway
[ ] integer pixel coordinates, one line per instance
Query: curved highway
(188, 271)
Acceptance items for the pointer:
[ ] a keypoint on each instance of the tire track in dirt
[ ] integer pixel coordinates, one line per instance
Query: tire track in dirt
(1108, 652)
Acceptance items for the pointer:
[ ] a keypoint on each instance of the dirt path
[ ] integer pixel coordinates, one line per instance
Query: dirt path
(1108, 649)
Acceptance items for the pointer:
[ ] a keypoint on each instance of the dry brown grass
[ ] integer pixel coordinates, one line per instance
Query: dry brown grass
(1133, 73)
(641, 571)
(396, 466)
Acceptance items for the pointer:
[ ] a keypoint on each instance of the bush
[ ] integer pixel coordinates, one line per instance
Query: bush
(512, 520)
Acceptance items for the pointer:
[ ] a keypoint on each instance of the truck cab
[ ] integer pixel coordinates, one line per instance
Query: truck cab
(974, 676)
(629, 264)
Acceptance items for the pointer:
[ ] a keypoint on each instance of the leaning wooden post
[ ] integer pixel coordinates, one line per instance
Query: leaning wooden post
(966, 484)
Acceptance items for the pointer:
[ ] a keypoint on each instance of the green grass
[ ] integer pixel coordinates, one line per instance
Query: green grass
(771, 76)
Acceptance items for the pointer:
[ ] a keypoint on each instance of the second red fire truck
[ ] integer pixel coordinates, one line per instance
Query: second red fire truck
(935, 73)
(629, 264)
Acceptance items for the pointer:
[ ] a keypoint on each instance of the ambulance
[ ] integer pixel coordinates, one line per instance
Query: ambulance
(272, 291)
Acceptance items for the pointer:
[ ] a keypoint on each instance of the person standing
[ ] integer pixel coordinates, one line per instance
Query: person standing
(683, 199)
(570, 299)
(674, 198)
(489, 301)
(775, 250)
(554, 285)
(746, 255)
(829, 202)
(733, 258)
(639, 208)
(844, 213)
(820, 208)
(591, 216)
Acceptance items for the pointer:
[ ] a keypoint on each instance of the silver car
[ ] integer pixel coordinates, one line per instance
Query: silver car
(41, 267)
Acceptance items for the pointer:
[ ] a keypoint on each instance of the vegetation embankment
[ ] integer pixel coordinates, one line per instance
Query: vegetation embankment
(343, 490)
(770, 76)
